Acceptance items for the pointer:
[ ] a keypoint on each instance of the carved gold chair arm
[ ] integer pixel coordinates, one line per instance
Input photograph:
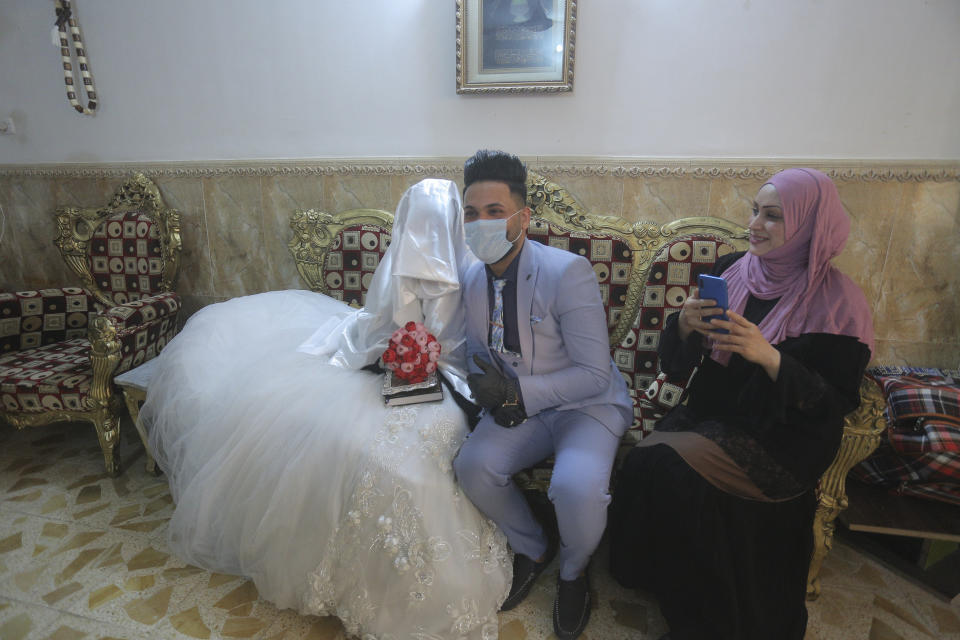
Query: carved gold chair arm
(314, 233)
(862, 431)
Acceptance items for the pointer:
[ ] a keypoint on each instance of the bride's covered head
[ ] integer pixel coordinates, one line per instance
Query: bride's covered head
(427, 238)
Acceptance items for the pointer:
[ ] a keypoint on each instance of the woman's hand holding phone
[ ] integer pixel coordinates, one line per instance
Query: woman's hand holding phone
(696, 313)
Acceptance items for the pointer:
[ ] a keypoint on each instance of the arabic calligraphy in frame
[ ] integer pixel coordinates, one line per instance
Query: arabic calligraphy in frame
(515, 46)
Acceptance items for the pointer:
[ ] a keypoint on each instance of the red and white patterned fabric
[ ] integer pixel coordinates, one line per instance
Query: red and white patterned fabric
(926, 436)
(920, 453)
(44, 344)
(51, 377)
(921, 395)
(673, 272)
(610, 255)
(138, 312)
(31, 319)
(126, 257)
(144, 327)
(57, 375)
(353, 257)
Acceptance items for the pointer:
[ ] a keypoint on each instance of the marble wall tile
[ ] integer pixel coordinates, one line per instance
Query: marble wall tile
(282, 195)
(732, 199)
(916, 354)
(196, 268)
(872, 208)
(234, 215)
(28, 256)
(11, 258)
(83, 192)
(342, 192)
(602, 195)
(400, 183)
(662, 200)
(919, 292)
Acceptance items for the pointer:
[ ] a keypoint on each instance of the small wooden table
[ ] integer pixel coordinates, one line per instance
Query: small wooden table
(874, 510)
(134, 385)
(934, 527)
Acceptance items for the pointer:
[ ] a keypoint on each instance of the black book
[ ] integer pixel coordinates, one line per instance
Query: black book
(397, 392)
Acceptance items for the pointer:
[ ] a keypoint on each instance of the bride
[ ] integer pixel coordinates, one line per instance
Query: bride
(286, 466)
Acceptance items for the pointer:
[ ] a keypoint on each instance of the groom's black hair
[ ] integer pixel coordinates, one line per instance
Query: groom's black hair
(498, 166)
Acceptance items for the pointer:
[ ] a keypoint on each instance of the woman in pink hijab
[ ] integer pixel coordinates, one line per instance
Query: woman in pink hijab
(713, 512)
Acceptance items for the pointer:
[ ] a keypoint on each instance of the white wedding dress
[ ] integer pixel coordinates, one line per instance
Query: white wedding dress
(291, 470)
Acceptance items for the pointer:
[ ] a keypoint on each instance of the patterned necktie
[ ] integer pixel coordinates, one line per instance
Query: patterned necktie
(496, 331)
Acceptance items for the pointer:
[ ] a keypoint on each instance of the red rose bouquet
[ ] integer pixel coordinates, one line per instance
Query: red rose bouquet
(413, 353)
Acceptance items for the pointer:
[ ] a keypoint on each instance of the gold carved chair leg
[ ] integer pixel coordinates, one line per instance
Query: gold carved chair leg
(104, 358)
(861, 435)
(107, 425)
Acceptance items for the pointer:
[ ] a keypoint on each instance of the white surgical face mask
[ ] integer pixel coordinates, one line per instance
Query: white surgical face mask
(488, 238)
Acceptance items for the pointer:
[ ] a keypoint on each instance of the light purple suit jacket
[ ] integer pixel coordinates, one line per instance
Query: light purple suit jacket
(566, 361)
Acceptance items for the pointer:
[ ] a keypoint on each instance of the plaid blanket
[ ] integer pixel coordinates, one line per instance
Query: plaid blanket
(888, 468)
(921, 396)
(927, 435)
(920, 455)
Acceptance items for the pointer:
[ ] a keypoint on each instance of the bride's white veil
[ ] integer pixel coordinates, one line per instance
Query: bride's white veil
(417, 279)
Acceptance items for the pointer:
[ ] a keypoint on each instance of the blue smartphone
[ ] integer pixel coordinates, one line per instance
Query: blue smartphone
(714, 288)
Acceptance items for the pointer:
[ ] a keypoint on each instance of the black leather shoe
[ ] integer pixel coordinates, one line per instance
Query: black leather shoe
(525, 572)
(571, 609)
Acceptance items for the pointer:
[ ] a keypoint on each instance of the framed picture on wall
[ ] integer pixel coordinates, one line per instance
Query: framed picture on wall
(515, 46)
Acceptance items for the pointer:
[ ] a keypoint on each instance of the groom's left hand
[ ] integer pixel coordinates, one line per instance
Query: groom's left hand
(490, 388)
(509, 415)
(497, 393)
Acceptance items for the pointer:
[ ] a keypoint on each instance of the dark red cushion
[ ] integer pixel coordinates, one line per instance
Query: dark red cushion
(46, 378)
(351, 260)
(126, 257)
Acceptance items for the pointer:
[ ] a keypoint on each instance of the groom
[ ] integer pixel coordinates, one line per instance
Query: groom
(540, 359)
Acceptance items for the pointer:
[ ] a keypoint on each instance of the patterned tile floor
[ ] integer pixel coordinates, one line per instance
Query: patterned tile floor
(84, 556)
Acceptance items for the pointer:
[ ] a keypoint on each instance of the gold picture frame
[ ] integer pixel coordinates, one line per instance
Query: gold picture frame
(515, 46)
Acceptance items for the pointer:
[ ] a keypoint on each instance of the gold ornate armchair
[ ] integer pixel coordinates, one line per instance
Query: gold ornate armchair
(61, 348)
(644, 270)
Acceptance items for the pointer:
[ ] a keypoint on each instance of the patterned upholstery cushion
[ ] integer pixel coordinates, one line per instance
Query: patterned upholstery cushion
(126, 257)
(30, 319)
(47, 378)
(144, 342)
(138, 312)
(673, 272)
(610, 255)
(353, 257)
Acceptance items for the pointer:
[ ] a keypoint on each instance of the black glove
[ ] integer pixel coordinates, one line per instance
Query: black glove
(509, 415)
(491, 388)
(497, 393)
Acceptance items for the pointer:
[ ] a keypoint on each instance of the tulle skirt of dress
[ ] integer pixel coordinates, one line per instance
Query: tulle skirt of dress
(295, 474)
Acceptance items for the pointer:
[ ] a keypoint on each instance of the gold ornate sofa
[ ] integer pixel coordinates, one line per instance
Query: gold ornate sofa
(61, 348)
(645, 272)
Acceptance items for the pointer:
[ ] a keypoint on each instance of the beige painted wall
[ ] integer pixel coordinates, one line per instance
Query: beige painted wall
(903, 248)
